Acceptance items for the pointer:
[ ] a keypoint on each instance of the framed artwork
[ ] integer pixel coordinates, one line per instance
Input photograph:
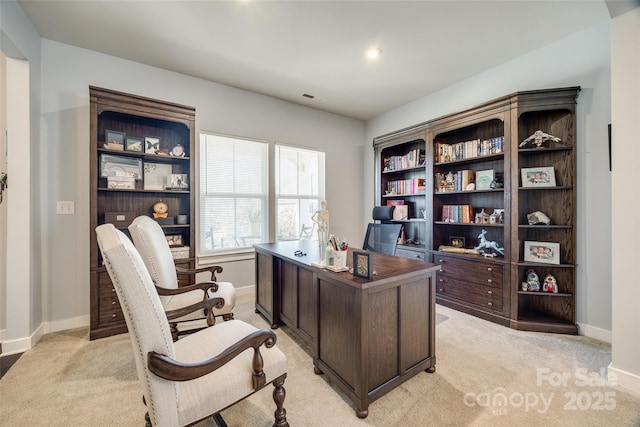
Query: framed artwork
(538, 177)
(484, 179)
(156, 175)
(363, 264)
(401, 212)
(178, 181)
(174, 240)
(133, 144)
(151, 144)
(119, 166)
(545, 252)
(113, 137)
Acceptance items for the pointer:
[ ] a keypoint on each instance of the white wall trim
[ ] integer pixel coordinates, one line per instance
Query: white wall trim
(627, 380)
(246, 290)
(595, 332)
(64, 324)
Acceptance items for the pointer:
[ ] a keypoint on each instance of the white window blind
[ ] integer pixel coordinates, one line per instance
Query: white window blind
(233, 193)
(299, 191)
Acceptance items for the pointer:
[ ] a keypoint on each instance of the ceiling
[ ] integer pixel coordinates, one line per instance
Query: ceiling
(285, 49)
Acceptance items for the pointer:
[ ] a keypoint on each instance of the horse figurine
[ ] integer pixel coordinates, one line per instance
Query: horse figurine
(486, 247)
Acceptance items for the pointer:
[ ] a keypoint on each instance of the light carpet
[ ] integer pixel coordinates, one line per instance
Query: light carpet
(486, 375)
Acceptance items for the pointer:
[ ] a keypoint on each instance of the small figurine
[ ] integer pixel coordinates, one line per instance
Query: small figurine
(533, 282)
(488, 247)
(538, 139)
(550, 284)
(482, 217)
(160, 209)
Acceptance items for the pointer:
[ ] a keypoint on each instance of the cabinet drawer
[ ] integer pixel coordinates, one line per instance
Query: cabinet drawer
(478, 272)
(406, 253)
(480, 295)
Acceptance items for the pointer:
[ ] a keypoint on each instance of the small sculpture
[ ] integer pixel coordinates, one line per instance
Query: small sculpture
(487, 247)
(550, 284)
(533, 282)
(482, 217)
(538, 217)
(538, 139)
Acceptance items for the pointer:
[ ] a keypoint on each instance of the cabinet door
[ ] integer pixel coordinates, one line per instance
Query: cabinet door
(289, 294)
(264, 284)
(308, 303)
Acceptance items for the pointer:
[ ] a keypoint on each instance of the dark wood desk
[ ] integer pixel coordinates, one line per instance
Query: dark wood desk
(367, 337)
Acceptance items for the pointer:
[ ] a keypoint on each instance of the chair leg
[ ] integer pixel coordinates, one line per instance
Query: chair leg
(174, 331)
(279, 394)
(217, 418)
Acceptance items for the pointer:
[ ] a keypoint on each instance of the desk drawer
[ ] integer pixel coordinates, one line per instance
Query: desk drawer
(406, 253)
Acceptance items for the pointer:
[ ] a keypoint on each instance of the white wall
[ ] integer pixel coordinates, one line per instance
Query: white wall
(65, 146)
(625, 128)
(579, 60)
(21, 284)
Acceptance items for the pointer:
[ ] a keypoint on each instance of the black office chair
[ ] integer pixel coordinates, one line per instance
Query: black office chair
(382, 237)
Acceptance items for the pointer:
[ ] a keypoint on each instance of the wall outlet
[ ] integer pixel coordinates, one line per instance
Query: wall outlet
(65, 208)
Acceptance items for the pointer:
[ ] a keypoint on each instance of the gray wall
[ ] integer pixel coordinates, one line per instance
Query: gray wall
(579, 60)
(65, 146)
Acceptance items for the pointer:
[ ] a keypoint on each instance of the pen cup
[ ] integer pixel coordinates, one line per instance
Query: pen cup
(340, 259)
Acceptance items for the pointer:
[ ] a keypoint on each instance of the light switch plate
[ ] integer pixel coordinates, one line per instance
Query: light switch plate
(65, 208)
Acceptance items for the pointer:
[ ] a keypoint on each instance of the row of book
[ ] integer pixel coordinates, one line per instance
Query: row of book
(406, 186)
(412, 159)
(468, 149)
(458, 213)
(453, 181)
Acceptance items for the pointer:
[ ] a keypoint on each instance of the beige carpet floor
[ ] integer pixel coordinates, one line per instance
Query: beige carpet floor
(487, 375)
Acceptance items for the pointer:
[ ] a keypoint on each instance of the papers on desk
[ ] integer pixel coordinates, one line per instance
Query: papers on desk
(336, 269)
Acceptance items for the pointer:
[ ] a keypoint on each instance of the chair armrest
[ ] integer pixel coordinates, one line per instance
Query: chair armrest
(212, 269)
(170, 369)
(207, 304)
(203, 286)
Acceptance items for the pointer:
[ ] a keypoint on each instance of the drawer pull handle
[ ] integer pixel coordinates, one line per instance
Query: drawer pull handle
(441, 261)
(113, 316)
(490, 292)
(440, 290)
(490, 281)
(417, 256)
(113, 303)
(440, 280)
(489, 304)
(489, 269)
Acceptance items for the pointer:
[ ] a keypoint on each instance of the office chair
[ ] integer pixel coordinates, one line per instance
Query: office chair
(382, 237)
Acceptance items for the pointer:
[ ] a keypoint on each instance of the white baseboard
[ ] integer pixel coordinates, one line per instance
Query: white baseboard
(630, 382)
(64, 324)
(20, 345)
(245, 290)
(595, 333)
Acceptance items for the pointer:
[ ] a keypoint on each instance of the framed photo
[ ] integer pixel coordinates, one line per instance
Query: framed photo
(133, 144)
(151, 144)
(484, 179)
(401, 212)
(114, 140)
(174, 240)
(156, 175)
(363, 264)
(456, 241)
(545, 252)
(178, 181)
(119, 166)
(538, 177)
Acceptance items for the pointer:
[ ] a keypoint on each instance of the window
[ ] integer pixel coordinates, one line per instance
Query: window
(233, 193)
(299, 191)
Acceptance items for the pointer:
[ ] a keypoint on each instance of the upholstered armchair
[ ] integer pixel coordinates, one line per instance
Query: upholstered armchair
(149, 239)
(201, 374)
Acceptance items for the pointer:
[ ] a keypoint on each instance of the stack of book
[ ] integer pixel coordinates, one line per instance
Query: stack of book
(468, 149)
(412, 159)
(457, 213)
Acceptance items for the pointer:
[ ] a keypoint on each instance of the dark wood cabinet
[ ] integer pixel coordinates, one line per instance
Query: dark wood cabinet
(483, 146)
(131, 119)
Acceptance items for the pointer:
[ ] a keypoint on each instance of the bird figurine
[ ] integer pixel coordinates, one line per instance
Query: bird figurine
(538, 139)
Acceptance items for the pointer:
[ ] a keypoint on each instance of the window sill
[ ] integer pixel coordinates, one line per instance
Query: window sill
(244, 254)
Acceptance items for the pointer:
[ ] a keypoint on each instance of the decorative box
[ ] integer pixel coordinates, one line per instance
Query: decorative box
(119, 219)
(166, 221)
(180, 252)
(121, 182)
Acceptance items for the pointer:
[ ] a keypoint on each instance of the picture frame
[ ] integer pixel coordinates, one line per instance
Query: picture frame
(151, 144)
(484, 178)
(133, 144)
(544, 252)
(118, 166)
(401, 212)
(538, 177)
(156, 175)
(363, 264)
(457, 242)
(174, 240)
(114, 140)
(178, 181)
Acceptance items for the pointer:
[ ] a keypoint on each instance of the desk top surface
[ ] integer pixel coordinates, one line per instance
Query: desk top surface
(385, 267)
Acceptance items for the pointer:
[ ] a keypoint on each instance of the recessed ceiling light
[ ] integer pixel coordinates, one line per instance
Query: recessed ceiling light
(374, 53)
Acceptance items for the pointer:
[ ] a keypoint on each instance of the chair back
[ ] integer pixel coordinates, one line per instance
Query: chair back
(145, 317)
(150, 241)
(382, 238)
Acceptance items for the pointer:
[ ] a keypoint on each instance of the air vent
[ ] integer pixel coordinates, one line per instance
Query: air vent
(306, 95)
